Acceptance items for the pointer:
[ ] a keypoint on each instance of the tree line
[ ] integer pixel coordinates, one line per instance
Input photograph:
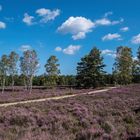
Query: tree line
(18, 70)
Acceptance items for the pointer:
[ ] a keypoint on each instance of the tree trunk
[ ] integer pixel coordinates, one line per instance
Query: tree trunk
(71, 89)
(13, 82)
(31, 84)
(3, 85)
(25, 84)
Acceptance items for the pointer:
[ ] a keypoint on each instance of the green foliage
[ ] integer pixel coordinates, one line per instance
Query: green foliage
(29, 66)
(90, 71)
(40, 80)
(12, 66)
(13, 59)
(123, 66)
(52, 70)
(52, 66)
(3, 70)
(67, 80)
(29, 63)
(107, 127)
(129, 119)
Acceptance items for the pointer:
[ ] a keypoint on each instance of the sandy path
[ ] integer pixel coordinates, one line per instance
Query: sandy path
(54, 98)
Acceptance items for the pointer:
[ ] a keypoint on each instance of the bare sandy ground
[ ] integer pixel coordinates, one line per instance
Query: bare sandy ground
(54, 98)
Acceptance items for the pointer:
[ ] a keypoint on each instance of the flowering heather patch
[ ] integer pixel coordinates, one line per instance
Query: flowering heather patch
(112, 115)
(22, 95)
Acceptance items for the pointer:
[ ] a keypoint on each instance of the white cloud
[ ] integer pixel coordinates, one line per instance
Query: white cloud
(77, 26)
(108, 14)
(71, 49)
(47, 14)
(0, 7)
(28, 19)
(80, 35)
(117, 21)
(111, 36)
(124, 29)
(106, 22)
(103, 21)
(42, 11)
(109, 53)
(136, 39)
(58, 49)
(2, 25)
(24, 48)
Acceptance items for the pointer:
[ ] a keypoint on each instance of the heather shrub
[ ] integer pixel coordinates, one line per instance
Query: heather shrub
(129, 119)
(19, 121)
(90, 134)
(110, 115)
(107, 127)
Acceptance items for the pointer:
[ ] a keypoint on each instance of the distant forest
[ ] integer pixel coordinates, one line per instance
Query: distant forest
(18, 70)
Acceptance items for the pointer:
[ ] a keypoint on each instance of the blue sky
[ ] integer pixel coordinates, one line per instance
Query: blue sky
(69, 29)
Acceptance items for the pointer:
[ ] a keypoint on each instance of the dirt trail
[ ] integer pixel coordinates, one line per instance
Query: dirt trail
(54, 98)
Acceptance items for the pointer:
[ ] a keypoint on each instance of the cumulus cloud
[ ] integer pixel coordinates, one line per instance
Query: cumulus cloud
(103, 21)
(80, 35)
(2, 25)
(108, 14)
(117, 21)
(124, 29)
(109, 53)
(106, 22)
(24, 48)
(42, 16)
(47, 15)
(58, 49)
(78, 27)
(28, 19)
(71, 49)
(136, 39)
(111, 36)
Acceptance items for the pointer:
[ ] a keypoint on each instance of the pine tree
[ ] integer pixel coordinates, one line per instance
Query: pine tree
(90, 71)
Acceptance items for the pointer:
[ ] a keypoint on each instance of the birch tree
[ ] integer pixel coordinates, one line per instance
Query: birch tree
(123, 66)
(3, 70)
(52, 69)
(29, 66)
(12, 68)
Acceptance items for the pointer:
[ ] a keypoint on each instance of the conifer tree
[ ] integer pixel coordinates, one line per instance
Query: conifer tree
(90, 71)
